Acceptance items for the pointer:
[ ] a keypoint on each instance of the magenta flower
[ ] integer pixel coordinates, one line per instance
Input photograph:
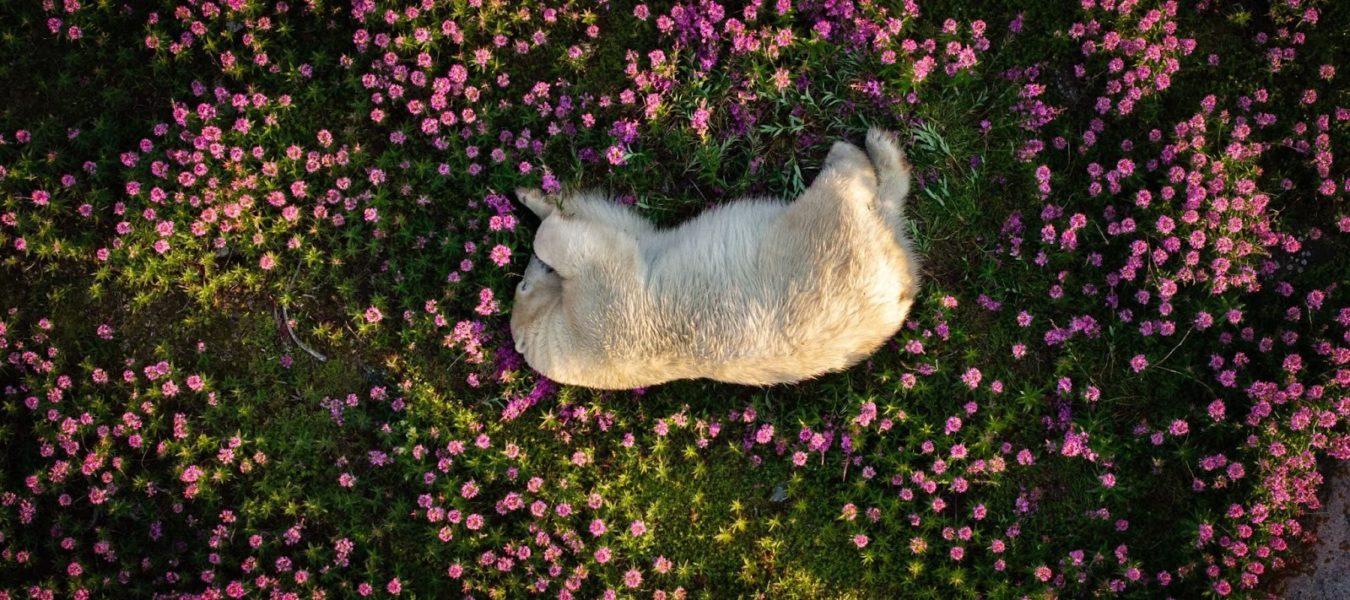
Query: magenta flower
(1138, 363)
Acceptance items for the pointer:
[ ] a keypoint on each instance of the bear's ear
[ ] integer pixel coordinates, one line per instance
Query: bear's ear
(534, 200)
(572, 246)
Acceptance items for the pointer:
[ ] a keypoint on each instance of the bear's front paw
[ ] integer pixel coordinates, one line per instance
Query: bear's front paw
(534, 200)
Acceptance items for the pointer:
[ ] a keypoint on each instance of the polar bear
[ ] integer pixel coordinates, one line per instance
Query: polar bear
(757, 291)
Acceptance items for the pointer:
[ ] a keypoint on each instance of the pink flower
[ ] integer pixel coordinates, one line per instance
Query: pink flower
(501, 255)
(1216, 410)
(1179, 427)
(972, 378)
(1138, 363)
(373, 315)
(699, 120)
(632, 578)
(765, 434)
(953, 425)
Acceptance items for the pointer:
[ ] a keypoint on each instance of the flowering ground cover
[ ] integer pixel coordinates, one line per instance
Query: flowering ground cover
(256, 261)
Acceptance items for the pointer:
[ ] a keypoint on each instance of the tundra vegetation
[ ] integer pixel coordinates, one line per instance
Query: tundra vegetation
(256, 260)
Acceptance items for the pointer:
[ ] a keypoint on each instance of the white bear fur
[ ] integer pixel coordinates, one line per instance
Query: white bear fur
(755, 292)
